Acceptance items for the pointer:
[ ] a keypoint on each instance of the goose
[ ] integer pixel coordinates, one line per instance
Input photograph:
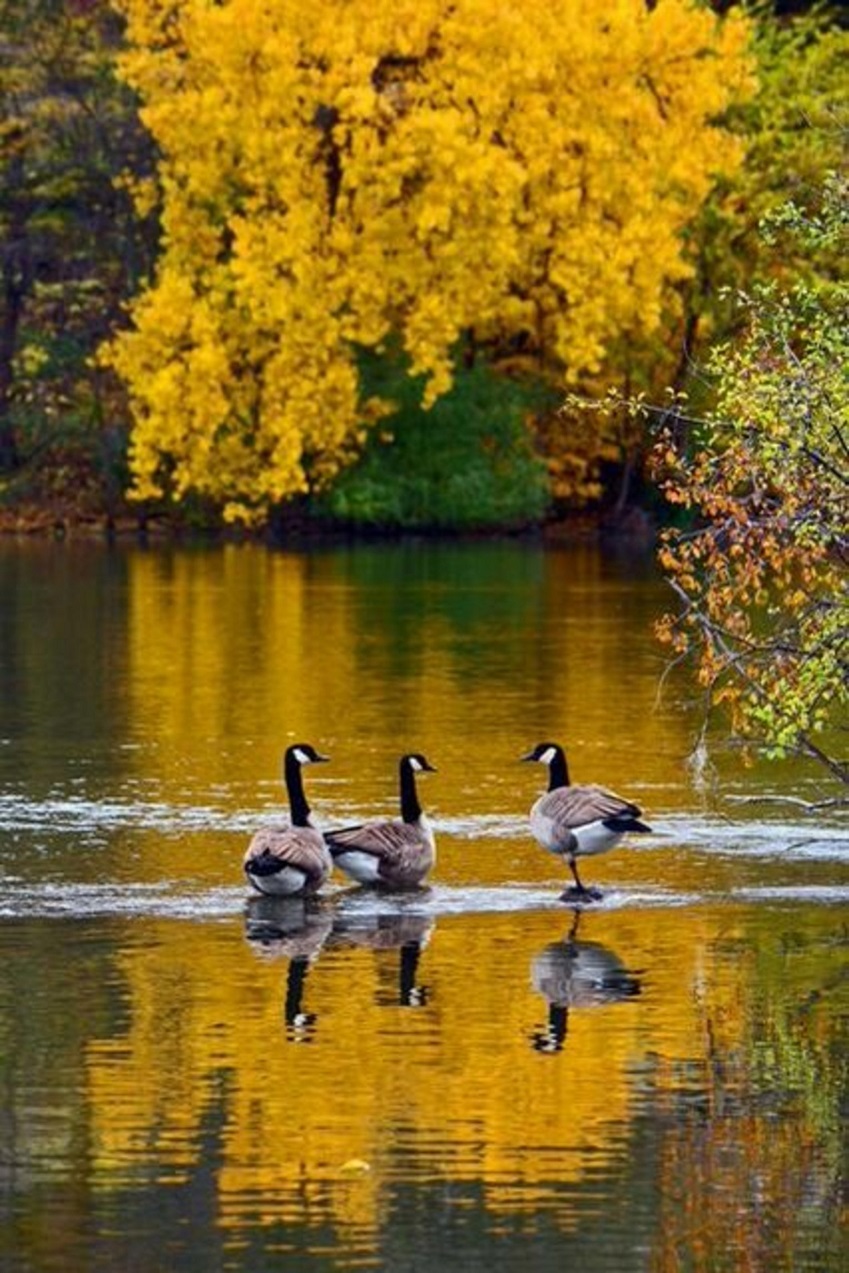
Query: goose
(578, 821)
(392, 854)
(293, 859)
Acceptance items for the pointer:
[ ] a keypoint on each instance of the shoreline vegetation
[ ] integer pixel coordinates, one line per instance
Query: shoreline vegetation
(60, 520)
(164, 334)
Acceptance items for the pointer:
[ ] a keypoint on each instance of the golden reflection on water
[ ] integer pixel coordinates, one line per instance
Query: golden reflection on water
(315, 1073)
(318, 1119)
(375, 652)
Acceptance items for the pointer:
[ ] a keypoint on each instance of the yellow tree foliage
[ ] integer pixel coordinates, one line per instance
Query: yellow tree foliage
(335, 176)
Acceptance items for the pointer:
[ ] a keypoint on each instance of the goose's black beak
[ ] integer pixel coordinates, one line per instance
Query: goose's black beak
(530, 756)
(321, 760)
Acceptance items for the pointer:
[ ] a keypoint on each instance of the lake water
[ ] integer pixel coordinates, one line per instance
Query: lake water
(476, 1076)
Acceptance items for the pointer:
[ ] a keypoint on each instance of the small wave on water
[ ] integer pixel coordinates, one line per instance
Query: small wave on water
(162, 900)
(797, 840)
(77, 815)
(172, 900)
(444, 901)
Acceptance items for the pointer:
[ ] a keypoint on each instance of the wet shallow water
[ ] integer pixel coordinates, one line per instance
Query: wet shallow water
(473, 1075)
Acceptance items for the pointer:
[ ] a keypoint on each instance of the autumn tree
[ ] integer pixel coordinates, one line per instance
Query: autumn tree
(454, 178)
(793, 127)
(71, 244)
(761, 568)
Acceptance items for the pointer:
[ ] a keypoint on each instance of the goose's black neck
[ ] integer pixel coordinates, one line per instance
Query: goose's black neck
(558, 771)
(298, 807)
(411, 810)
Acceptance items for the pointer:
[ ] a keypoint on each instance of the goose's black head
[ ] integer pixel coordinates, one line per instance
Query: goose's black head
(545, 753)
(553, 755)
(416, 762)
(304, 754)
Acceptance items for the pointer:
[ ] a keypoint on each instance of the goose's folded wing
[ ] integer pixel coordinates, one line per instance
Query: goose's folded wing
(577, 806)
(389, 841)
(301, 847)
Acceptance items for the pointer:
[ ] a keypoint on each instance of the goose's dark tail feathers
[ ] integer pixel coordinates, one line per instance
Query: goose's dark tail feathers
(264, 863)
(627, 823)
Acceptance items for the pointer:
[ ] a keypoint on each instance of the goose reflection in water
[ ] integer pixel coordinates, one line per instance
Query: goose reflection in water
(293, 928)
(408, 933)
(577, 974)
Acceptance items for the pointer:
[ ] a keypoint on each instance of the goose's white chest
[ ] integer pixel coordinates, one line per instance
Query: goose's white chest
(546, 831)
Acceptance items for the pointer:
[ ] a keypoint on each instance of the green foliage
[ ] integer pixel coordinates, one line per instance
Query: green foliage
(794, 129)
(468, 462)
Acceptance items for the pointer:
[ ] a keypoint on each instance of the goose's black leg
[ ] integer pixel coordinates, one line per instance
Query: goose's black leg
(580, 892)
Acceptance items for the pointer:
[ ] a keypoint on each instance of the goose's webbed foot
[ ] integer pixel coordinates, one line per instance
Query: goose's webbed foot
(575, 894)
